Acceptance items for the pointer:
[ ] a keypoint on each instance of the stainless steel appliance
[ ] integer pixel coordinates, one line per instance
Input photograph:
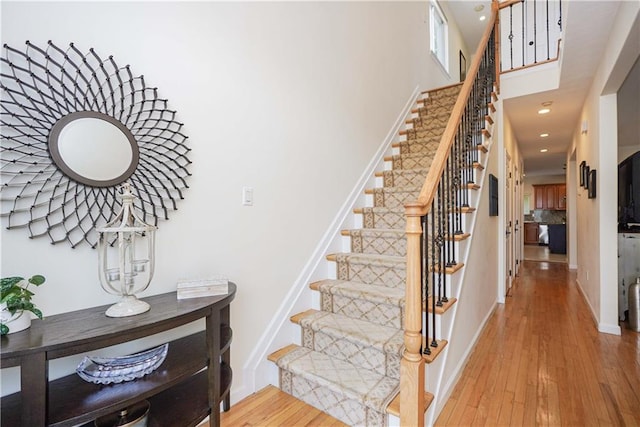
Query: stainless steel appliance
(543, 234)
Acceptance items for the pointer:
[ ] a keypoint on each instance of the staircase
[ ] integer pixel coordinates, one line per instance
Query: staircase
(348, 364)
(393, 303)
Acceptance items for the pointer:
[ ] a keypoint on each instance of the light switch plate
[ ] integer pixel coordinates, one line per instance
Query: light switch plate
(247, 196)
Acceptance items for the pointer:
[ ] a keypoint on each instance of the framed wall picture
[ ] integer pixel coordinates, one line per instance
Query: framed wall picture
(583, 164)
(586, 177)
(493, 195)
(592, 184)
(463, 67)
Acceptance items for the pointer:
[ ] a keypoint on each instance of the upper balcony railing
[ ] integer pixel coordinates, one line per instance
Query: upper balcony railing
(530, 32)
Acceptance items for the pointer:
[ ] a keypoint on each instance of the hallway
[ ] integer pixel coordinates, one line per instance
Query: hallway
(541, 253)
(541, 361)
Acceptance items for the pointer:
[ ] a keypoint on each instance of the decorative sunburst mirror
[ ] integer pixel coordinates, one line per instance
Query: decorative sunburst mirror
(74, 127)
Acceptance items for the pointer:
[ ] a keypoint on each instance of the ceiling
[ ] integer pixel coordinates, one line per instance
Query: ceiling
(584, 41)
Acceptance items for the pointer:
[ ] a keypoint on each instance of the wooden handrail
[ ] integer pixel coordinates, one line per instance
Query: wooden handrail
(507, 3)
(498, 43)
(412, 409)
(427, 193)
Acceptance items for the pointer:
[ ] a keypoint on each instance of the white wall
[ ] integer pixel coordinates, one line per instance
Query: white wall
(597, 218)
(627, 151)
(292, 99)
(479, 286)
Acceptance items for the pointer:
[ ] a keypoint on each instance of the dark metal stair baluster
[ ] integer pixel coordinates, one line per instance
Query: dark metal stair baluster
(433, 269)
(523, 34)
(548, 46)
(535, 31)
(424, 279)
(458, 180)
(511, 36)
(440, 240)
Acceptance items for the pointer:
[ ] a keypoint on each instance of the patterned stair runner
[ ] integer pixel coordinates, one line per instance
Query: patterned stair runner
(349, 361)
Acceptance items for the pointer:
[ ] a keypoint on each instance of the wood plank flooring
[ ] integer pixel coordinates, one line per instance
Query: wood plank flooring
(272, 407)
(541, 253)
(541, 361)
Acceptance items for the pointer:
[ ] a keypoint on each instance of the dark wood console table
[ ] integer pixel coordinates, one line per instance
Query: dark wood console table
(190, 384)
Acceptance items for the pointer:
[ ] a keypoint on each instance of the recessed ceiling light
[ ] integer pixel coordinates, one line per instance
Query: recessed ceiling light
(479, 8)
(482, 17)
(544, 135)
(544, 111)
(547, 103)
(544, 150)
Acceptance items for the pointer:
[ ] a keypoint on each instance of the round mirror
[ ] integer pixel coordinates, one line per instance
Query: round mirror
(93, 148)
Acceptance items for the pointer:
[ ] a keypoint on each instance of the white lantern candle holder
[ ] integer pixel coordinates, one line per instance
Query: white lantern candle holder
(129, 272)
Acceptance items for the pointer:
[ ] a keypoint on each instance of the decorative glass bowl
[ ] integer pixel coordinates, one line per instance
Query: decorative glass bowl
(108, 370)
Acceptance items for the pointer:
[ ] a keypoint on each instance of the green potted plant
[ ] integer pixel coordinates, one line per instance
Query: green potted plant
(15, 300)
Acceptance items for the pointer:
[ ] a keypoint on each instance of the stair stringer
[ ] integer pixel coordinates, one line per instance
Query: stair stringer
(258, 372)
(435, 380)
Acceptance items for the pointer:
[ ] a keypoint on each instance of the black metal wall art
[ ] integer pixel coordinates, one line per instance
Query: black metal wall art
(74, 126)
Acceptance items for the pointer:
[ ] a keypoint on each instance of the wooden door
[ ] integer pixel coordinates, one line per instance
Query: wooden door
(509, 223)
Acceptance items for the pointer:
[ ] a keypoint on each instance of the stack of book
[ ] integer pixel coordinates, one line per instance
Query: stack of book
(195, 288)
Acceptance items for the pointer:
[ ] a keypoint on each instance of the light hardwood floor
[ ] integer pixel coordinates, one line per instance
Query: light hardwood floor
(272, 407)
(539, 361)
(541, 253)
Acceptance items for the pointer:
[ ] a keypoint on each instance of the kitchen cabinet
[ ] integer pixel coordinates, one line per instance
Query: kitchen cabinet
(550, 196)
(531, 233)
(190, 384)
(561, 197)
(539, 196)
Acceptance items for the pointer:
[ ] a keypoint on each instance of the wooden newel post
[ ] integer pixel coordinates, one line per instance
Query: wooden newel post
(412, 365)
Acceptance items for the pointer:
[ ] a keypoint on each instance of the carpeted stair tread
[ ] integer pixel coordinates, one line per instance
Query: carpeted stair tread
(403, 177)
(447, 91)
(417, 134)
(394, 196)
(425, 146)
(374, 390)
(387, 339)
(378, 218)
(378, 241)
(437, 108)
(386, 260)
(375, 269)
(411, 160)
(370, 345)
(395, 189)
(379, 304)
(349, 288)
(435, 118)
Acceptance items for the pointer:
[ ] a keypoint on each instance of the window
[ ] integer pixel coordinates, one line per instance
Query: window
(439, 35)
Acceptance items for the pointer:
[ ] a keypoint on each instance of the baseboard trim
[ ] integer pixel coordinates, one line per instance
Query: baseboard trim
(609, 329)
(605, 328)
(256, 373)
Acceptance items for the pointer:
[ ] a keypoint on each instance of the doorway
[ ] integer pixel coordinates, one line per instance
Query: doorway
(509, 224)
